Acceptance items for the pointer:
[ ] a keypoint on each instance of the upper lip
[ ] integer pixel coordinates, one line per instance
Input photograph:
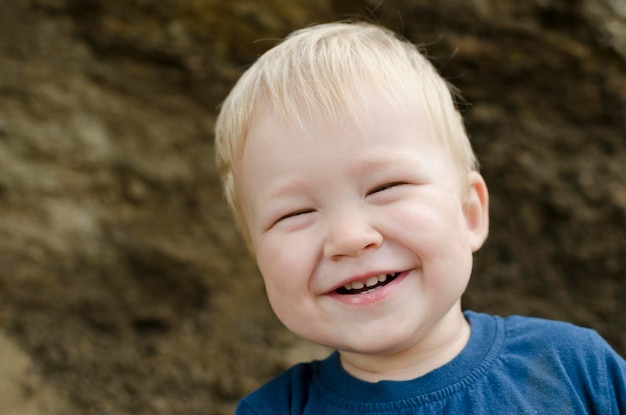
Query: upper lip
(362, 277)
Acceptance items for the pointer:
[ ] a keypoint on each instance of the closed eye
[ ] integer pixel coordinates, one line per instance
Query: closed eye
(294, 214)
(385, 186)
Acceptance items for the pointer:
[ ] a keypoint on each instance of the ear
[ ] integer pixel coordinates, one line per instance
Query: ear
(476, 210)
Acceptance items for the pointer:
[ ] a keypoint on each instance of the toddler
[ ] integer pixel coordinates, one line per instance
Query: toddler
(355, 186)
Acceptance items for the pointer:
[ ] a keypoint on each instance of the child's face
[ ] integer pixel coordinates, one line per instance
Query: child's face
(336, 206)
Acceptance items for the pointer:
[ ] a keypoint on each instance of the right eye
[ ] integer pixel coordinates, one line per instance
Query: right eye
(292, 215)
(295, 213)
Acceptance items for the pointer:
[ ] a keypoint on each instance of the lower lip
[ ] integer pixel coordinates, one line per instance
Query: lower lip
(371, 297)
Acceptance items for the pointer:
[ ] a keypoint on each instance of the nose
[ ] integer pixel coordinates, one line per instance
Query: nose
(350, 236)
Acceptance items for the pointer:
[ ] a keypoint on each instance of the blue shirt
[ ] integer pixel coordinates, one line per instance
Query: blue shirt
(514, 365)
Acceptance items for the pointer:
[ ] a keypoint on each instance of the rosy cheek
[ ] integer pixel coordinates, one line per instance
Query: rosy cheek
(277, 269)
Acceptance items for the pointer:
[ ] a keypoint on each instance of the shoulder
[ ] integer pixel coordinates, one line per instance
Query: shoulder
(538, 333)
(557, 363)
(540, 343)
(563, 349)
(282, 394)
(532, 333)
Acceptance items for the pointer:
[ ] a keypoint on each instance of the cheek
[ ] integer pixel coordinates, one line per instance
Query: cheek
(435, 229)
(283, 269)
(286, 281)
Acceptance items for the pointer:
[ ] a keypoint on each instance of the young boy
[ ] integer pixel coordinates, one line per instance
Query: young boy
(355, 187)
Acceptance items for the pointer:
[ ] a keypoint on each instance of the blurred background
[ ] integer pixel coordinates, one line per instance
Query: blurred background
(124, 287)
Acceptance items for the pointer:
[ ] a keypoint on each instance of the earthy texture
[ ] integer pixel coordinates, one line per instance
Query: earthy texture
(124, 288)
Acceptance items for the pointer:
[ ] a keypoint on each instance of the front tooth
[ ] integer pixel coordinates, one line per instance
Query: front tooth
(357, 285)
(371, 281)
(382, 278)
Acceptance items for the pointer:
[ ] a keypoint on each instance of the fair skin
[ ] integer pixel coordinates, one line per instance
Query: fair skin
(335, 206)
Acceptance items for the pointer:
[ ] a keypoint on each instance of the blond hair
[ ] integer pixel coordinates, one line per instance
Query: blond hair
(321, 69)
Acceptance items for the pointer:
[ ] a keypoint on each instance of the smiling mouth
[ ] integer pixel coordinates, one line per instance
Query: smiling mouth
(368, 285)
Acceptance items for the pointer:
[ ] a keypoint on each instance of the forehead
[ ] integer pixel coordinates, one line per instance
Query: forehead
(353, 108)
(373, 122)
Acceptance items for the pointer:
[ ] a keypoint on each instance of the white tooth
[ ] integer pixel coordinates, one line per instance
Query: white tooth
(357, 285)
(348, 286)
(382, 278)
(371, 281)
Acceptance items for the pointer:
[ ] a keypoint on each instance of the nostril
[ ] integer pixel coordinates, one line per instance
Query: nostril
(352, 248)
(351, 235)
(372, 245)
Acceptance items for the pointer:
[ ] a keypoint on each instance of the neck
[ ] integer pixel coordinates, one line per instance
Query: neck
(439, 346)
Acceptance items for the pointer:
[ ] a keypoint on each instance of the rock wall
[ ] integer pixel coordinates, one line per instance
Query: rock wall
(124, 288)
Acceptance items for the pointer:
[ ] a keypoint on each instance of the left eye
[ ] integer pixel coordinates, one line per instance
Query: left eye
(384, 187)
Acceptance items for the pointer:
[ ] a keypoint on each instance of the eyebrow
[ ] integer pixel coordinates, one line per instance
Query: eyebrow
(367, 164)
(380, 160)
(284, 189)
